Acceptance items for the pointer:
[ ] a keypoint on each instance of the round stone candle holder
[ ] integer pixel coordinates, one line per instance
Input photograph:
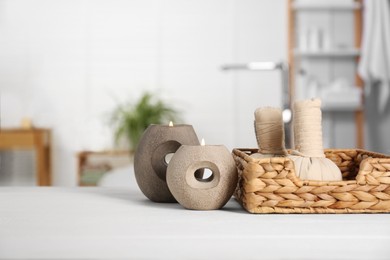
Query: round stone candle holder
(151, 158)
(188, 182)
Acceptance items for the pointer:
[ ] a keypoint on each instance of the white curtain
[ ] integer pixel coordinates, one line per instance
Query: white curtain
(374, 66)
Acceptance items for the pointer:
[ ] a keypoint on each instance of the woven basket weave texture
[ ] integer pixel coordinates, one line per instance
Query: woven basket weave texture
(270, 185)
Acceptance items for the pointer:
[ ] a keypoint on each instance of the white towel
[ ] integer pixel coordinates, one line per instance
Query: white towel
(374, 66)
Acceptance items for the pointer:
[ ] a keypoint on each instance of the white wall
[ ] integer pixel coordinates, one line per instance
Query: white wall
(65, 64)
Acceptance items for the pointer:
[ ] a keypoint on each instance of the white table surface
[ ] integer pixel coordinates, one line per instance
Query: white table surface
(120, 223)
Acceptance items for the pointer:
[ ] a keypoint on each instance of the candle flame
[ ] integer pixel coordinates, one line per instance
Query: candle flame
(170, 123)
(203, 142)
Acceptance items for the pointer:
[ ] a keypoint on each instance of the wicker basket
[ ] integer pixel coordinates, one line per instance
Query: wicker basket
(271, 186)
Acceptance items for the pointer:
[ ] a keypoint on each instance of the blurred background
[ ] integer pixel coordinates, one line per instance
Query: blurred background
(66, 65)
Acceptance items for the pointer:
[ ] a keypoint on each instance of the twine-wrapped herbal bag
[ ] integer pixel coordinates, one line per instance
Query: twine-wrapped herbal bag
(309, 158)
(269, 133)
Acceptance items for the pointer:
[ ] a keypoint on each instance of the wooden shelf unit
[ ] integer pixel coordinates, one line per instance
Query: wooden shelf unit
(91, 165)
(354, 53)
(36, 139)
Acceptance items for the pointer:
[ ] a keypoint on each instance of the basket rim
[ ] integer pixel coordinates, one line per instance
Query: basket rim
(377, 154)
(365, 166)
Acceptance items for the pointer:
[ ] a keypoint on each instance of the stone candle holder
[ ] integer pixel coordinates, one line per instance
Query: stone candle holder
(189, 187)
(150, 163)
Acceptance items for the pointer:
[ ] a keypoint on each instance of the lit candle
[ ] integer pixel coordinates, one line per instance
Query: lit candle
(155, 149)
(202, 177)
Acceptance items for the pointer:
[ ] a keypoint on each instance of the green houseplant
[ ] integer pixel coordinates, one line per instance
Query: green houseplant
(131, 119)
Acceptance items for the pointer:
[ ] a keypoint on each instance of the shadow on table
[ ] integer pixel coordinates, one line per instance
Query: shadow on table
(136, 197)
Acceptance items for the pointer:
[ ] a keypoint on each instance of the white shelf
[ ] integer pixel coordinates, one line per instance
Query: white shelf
(328, 53)
(341, 108)
(325, 6)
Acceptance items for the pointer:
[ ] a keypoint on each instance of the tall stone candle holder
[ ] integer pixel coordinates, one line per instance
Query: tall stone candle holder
(152, 157)
(187, 180)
